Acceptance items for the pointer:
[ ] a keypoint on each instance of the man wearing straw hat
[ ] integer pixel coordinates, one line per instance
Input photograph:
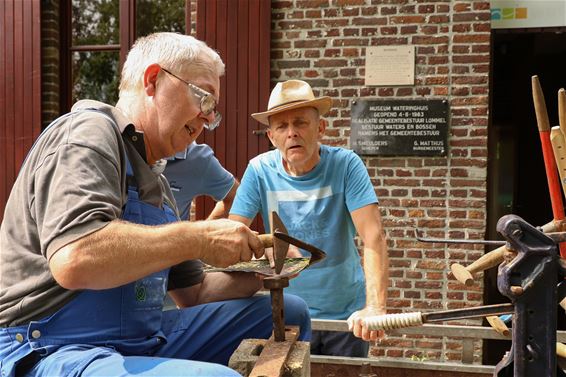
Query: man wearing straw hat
(324, 196)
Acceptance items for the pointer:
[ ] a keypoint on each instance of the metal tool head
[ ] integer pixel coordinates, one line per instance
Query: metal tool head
(316, 254)
(280, 246)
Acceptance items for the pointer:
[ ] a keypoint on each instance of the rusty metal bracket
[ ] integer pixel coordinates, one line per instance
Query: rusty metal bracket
(274, 355)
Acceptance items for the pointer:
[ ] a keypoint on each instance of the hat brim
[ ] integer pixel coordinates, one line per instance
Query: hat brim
(322, 104)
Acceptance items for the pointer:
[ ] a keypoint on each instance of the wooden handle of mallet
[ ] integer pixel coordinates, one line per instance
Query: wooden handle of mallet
(559, 147)
(485, 262)
(498, 325)
(562, 110)
(266, 240)
(491, 259)
(543, 123)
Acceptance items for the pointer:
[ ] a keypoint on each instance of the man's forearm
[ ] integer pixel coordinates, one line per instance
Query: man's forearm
(219, 286)
(376, 268)
(222, 207)
(220, 210)
(122, 252)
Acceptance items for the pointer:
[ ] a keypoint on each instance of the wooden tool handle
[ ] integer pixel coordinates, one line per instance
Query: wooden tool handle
(266, 240)
(540, 106)
(486, 261)
(562, 110)
(560, 349)
(498, 325)
(559, 148)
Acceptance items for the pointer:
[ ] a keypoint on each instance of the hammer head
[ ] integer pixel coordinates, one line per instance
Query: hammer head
(280, 247)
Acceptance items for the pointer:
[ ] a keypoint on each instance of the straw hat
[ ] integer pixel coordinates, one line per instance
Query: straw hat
(292, 94)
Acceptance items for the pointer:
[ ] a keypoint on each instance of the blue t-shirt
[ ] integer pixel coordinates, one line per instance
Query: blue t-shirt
(196, 171)
(315, 208)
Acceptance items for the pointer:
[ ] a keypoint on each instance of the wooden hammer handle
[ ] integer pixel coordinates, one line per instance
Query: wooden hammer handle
(498, 325)
(266, 240)
(559, 147)
(562, 110)
(540, 105)
(486, 261)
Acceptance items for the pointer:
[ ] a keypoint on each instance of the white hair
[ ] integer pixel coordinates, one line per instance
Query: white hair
(173, 51)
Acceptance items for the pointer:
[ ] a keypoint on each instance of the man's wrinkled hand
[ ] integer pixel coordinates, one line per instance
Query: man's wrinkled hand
(292, 252)
(227, 242)
(356, 324)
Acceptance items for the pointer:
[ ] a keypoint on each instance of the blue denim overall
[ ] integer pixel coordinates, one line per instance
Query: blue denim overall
(124, 331)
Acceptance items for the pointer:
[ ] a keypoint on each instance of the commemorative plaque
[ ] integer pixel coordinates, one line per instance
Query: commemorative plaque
(399, 127)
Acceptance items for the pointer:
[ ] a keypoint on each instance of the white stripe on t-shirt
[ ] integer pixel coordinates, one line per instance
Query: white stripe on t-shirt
(274, 197)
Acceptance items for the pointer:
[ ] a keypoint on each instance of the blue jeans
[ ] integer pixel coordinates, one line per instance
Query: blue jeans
(198, 341)
(336, 343)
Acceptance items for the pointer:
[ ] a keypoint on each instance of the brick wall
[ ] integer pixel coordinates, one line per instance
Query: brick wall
(323, 42)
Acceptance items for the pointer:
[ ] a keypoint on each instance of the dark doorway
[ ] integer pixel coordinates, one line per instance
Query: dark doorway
(517, 177)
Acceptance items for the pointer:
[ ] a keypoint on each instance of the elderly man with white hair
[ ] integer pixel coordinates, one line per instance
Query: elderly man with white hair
(91, 243)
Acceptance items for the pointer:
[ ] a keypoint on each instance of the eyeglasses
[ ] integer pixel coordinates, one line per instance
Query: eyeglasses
(207, 102)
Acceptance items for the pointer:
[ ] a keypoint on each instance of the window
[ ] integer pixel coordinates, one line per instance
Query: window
(100, 32)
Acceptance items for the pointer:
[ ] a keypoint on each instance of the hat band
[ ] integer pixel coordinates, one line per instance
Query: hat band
(288, 103)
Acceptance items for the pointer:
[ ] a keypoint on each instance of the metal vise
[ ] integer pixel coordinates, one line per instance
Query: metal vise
(529, 276)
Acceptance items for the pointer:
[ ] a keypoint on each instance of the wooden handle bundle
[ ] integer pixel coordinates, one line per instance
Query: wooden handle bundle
(465, 274)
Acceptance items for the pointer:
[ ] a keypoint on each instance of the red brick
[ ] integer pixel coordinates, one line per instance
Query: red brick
(412, 29)
(350, 12)
(466, 17)
(481, 5)
(282, 4)
(350, 52)
(313, 13)
(462, 7)
(351, 32)
(350, 42)
(330, 63)
(484, 27)
(427, 8)
(310, 43)
(374, 21)
(312, 54)
(438, 19)
(328, 23)
(290, 25)
(296, 14)
(369, 11)
(369, 31)
(311, 3)
(387, 11)
(428, 29)
(343, 3)
(427, 40)
(407, 19)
